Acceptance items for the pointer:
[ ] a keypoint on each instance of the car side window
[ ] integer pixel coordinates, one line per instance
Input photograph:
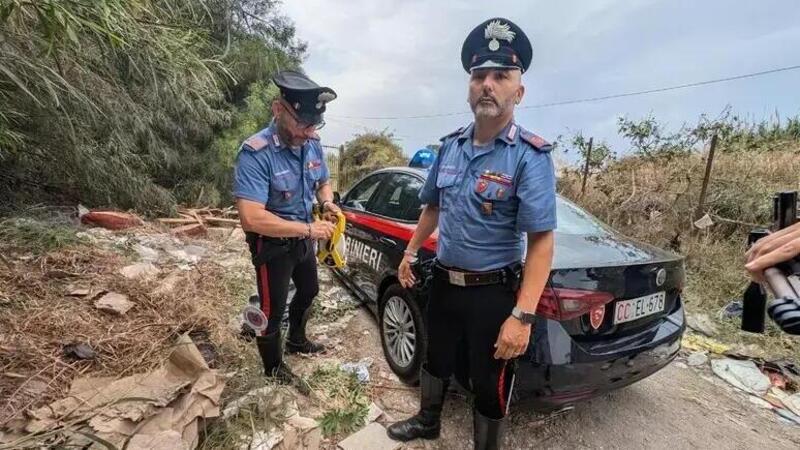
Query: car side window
(359, 195)
(398, 198)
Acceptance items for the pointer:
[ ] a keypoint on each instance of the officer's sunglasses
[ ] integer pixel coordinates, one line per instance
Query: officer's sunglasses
(302, 124)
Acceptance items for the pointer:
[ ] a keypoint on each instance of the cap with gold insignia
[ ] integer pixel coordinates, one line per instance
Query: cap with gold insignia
(496, 44)
(304, 96)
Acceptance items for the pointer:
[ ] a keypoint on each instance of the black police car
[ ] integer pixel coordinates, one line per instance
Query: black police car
(611, 314)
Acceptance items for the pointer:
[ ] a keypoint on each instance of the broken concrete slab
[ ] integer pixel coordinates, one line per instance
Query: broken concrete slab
(374, 412)
(114, 303)
(373, 437)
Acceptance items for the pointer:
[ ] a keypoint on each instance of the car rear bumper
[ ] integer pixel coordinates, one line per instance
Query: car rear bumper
(559, 371)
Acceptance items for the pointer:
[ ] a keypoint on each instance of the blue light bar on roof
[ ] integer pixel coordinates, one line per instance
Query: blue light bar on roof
(423, 159)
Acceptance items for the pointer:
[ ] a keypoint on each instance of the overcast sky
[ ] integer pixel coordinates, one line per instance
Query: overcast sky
(400, 58)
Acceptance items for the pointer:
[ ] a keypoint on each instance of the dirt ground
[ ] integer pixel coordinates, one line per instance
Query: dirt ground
(678, 407)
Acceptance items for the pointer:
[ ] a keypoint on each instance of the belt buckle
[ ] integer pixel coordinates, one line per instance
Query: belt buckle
(457, 278)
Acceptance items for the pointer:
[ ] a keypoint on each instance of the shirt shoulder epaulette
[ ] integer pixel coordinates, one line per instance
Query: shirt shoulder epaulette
(536, 141)
(256, 142)
(454, 133)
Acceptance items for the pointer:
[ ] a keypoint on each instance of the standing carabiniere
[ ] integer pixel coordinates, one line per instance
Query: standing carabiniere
(279, 171)
(492, 182)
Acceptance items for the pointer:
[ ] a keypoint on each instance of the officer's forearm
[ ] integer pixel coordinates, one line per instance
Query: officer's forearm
(325, 193)
(256, 219)
(538, 261)
(428, 221)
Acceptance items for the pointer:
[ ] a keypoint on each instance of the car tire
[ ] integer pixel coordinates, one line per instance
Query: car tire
(400, 313)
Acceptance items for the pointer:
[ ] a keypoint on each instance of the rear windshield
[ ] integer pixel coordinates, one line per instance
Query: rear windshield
(574, 220)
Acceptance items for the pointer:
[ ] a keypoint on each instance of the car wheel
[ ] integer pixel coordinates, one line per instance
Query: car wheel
(403, 334)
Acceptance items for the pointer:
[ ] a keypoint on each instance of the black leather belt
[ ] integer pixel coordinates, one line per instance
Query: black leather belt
(465, 279)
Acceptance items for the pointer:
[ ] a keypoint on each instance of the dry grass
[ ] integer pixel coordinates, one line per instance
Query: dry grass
(654, 200)
(37, 319)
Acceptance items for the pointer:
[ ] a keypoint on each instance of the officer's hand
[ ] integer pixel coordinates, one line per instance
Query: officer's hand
(332, 207)
(776, 248)
(405, 274)
(321, 229)
(513, 339)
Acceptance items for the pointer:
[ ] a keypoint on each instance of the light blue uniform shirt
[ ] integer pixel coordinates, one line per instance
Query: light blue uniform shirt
(284, 179)
(489, 196)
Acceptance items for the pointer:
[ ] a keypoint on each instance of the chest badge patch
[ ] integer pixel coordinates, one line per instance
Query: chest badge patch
(500, 193)
(486, 208)
(481, 186)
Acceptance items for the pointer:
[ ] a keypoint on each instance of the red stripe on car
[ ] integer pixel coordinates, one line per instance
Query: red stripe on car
(390, 228)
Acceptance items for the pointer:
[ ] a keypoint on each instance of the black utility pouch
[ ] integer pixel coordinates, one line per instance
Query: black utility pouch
(270, 248)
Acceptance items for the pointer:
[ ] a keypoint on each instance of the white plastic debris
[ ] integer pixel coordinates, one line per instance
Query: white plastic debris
(704, 222)
(360, 369)
(743, 375)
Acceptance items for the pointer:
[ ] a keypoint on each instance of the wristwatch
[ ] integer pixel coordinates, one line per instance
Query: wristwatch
(522, 316)
(412, 255)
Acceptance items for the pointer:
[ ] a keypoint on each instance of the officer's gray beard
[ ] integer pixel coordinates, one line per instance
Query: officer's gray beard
(486, 110)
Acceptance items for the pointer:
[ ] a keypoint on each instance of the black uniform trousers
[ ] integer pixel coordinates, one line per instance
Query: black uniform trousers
(471, 317)
(276, 261)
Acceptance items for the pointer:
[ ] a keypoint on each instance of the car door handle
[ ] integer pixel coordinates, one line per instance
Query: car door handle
(387, 241)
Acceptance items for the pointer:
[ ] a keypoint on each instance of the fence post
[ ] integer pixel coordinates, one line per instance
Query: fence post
(586, 166)
(706, 177)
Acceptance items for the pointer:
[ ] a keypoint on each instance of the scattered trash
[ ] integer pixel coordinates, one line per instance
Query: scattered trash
(792, 402)
(789, 370)
(111, 220)
(114, 303)
(146, 254)
(776, 379)
(360, 369)
(702, 324)
(79, 350)
(85, 292)
(731, 310)
(697, 359)
(264, 440)
(697, 342)
(704, 222)
(158, 409)
(777, 397)
(140, 270)
(190, 254)
(743, 375)
(786, 414)
(760, 402)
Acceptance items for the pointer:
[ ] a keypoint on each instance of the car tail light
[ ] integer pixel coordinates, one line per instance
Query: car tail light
(566, 304)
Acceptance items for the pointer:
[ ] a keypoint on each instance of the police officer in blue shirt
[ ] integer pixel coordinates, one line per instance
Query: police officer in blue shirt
(278, 172)
(492, 182)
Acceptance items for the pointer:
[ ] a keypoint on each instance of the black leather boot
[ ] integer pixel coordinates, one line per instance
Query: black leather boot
(297, 341)
(488, 433)
(269, 347)
(427, 423)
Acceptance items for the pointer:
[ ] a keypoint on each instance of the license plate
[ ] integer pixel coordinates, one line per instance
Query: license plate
(636, 308)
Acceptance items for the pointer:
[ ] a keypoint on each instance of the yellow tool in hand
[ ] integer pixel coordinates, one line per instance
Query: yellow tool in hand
(332, 252)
